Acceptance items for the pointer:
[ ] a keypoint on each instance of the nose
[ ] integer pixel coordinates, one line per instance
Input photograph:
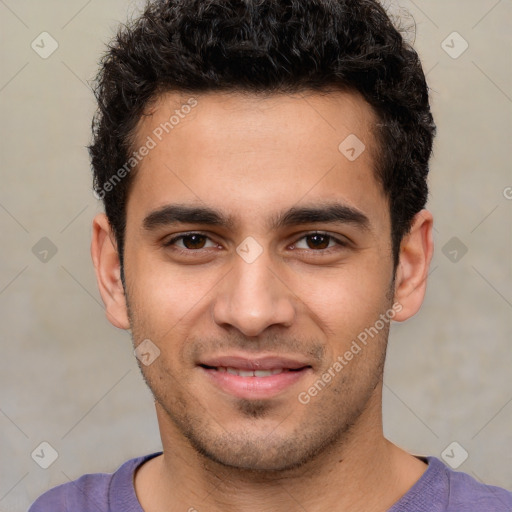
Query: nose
(252, 297)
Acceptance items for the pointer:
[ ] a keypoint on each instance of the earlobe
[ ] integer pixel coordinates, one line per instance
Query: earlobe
(108, 272)
(416, 252)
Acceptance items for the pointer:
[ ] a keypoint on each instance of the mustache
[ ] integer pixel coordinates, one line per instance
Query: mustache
(195, 348)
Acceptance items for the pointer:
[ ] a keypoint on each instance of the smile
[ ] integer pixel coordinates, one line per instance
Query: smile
(251, 373)
(254, 379)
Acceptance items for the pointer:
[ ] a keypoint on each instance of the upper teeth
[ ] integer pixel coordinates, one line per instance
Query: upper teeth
(250, 373)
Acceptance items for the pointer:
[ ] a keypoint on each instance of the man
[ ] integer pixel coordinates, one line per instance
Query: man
(263, 168)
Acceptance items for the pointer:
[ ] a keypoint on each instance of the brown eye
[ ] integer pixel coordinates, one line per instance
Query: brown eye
(194, 241)
(318, 241)
(190, 242)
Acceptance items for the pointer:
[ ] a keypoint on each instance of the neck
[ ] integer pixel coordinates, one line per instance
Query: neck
(362, 471)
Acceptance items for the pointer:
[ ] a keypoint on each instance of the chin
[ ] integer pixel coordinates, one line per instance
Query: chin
(253, 452)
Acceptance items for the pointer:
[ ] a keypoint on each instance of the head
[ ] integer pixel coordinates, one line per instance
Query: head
(292, 139)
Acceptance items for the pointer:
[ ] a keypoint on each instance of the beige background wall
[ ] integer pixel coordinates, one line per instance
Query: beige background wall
(69, 378)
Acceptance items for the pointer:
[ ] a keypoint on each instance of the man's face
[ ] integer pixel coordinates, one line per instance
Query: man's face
(283, 288)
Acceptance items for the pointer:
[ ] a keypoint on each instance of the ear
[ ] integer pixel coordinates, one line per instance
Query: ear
(416, 252)
(108, 272)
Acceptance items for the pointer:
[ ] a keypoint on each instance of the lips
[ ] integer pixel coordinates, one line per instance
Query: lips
(254, 363)
(250, 373)
(254, 377)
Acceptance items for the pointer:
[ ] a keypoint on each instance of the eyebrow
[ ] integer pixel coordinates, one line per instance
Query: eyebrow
(331, 213)
(185, 214)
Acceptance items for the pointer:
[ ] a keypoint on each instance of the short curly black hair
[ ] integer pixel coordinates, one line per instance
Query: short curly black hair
(266, 46)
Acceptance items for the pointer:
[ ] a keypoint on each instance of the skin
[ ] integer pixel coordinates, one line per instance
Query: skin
(252, 158)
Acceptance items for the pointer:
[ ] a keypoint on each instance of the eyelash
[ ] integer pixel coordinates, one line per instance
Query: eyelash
(340, 243)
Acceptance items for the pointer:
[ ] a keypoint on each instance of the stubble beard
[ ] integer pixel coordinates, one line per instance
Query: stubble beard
(332, 421)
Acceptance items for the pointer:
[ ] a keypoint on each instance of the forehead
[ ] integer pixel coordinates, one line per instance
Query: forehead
(239, 121)
(256, 154)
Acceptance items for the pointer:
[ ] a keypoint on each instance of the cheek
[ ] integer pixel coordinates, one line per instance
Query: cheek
(343, 303)
(164, 293)
(345, 293)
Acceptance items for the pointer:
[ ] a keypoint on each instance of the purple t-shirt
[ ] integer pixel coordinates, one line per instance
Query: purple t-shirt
(438, 490)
